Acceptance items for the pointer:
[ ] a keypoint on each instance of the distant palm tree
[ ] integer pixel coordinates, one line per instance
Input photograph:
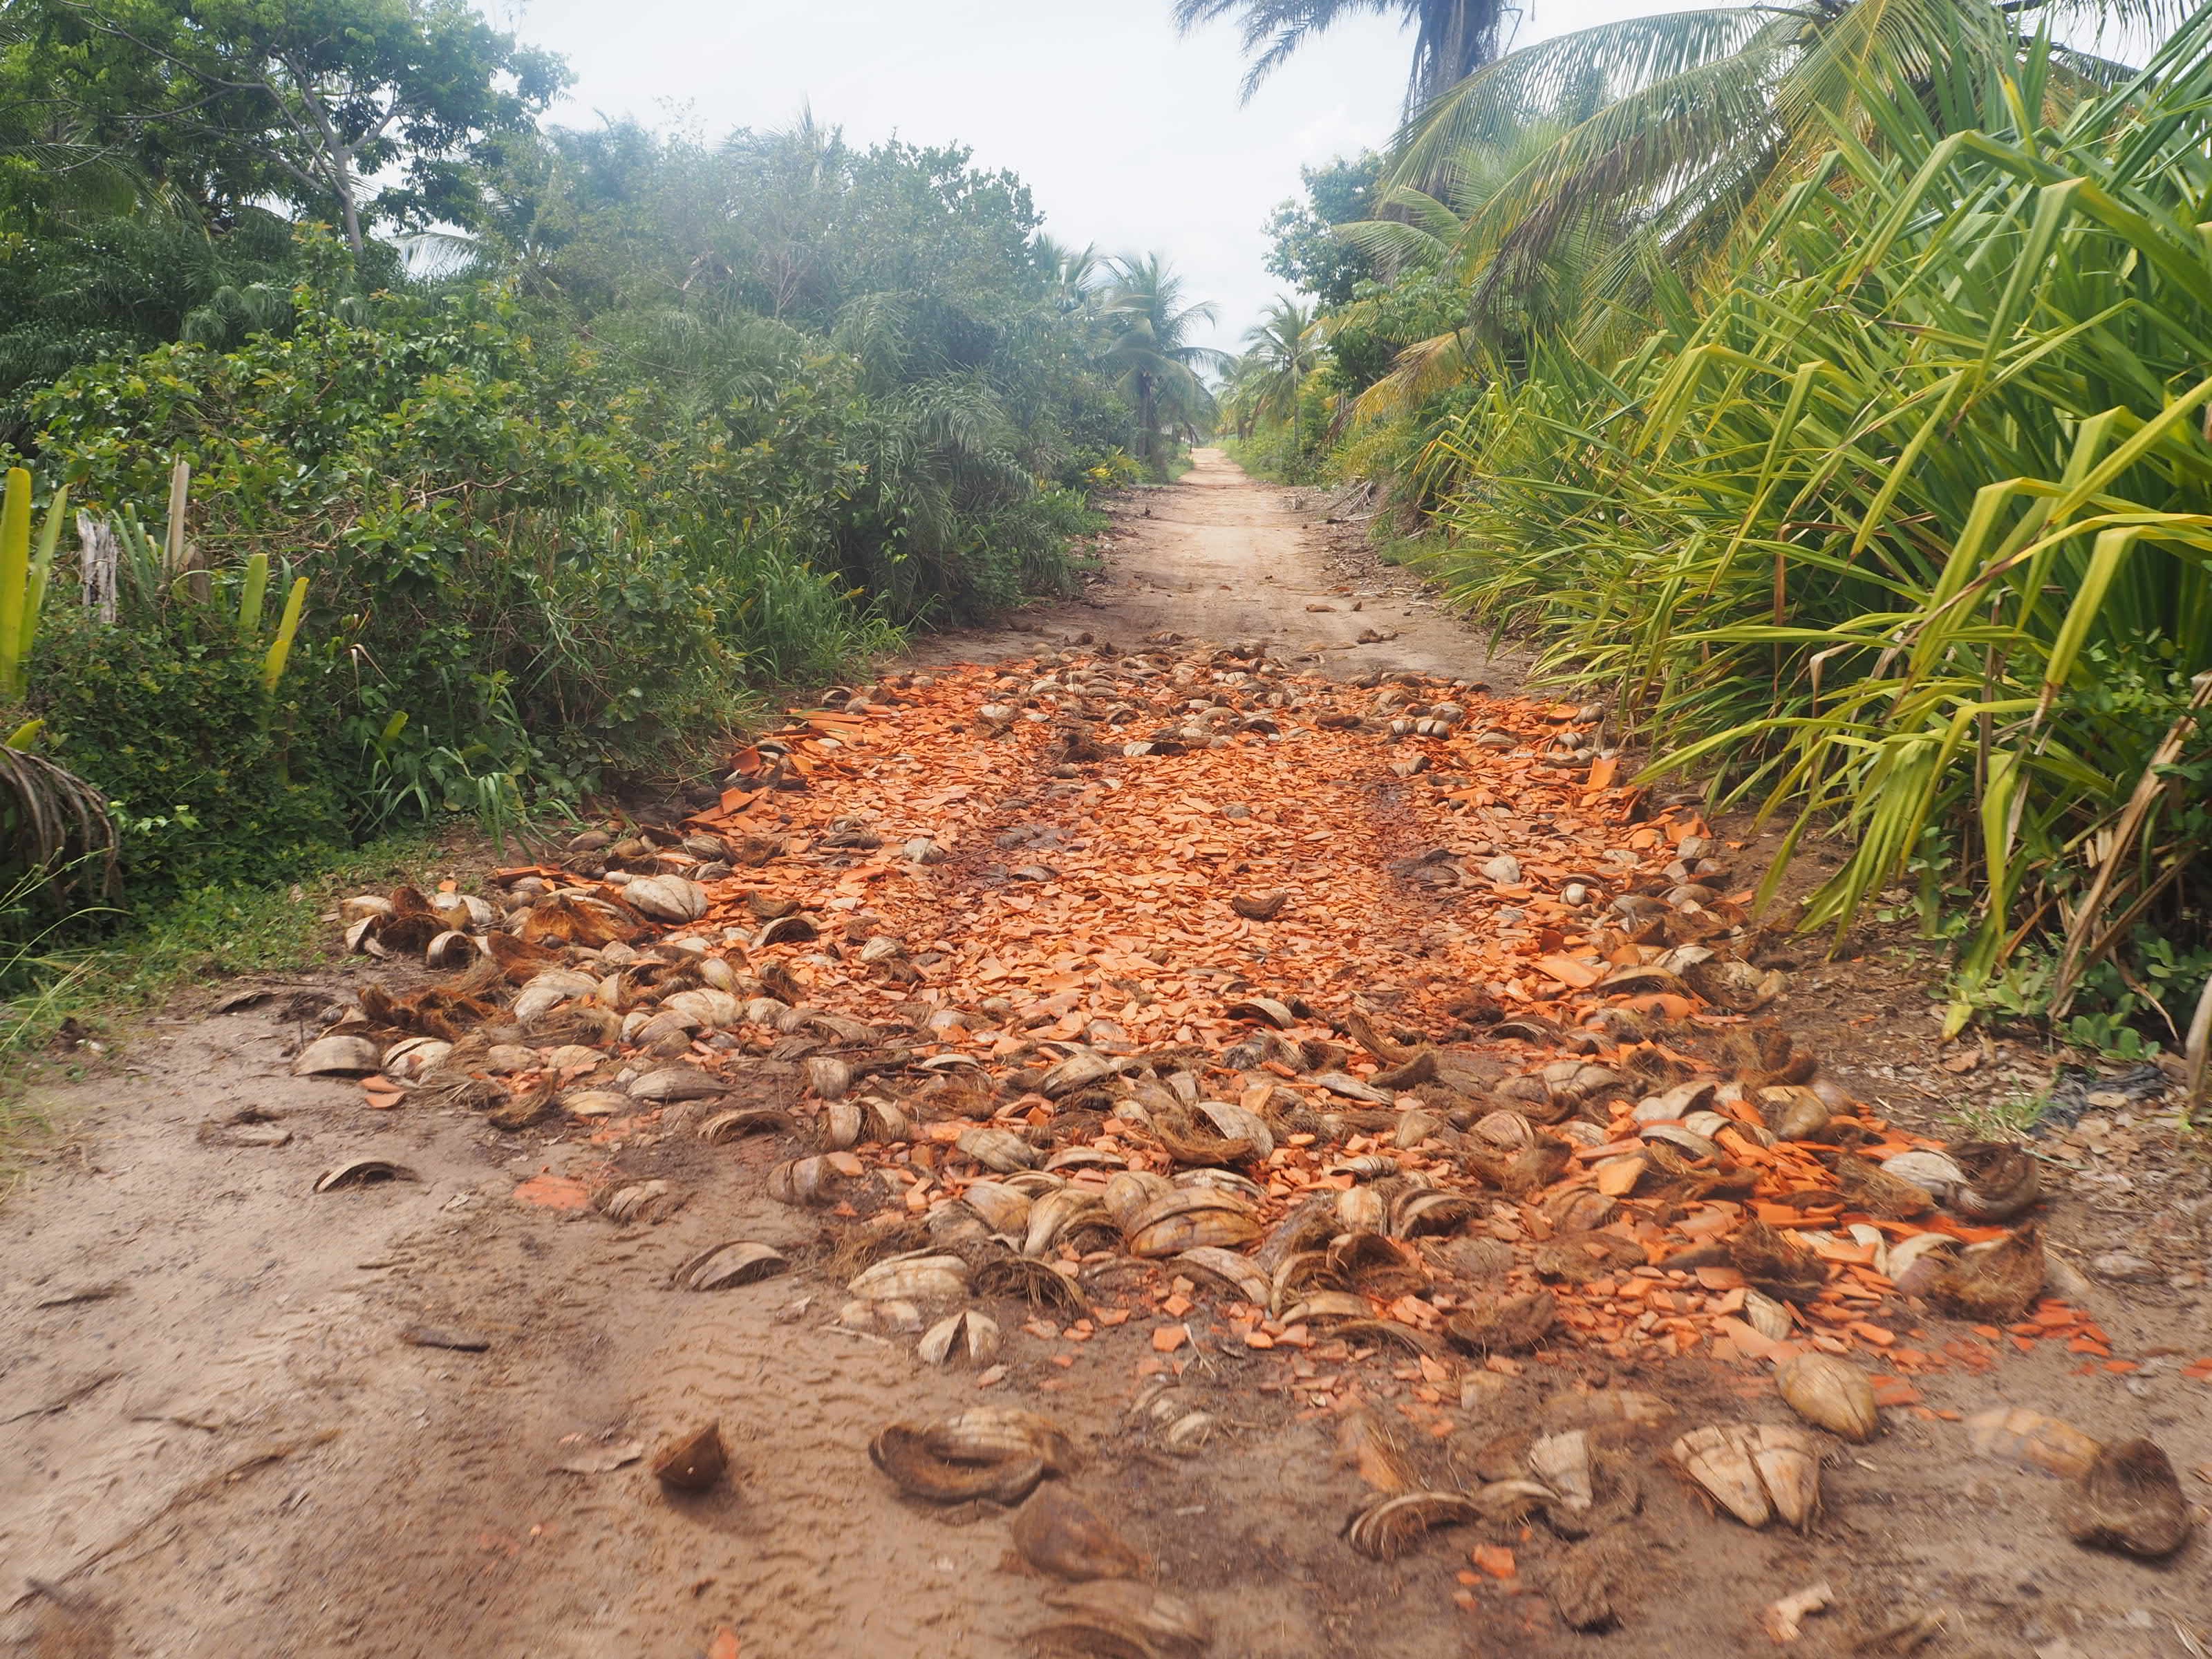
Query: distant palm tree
(1076, 273)
(1238, 396)
(1152, 350)
(1452, 38)
(1281, 350)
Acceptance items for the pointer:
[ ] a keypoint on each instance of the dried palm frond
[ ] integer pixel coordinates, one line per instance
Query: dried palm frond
(57, 826)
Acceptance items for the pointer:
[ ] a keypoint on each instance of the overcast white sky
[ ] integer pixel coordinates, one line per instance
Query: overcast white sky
(1129, 137)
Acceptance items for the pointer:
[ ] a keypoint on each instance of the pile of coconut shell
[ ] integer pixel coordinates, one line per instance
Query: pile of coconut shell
(1324, 1174)
(1106, 958)
(1051, 979)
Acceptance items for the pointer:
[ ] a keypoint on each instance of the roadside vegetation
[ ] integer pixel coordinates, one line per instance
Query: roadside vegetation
(1831, 389)
(68, 986)
(377, 452)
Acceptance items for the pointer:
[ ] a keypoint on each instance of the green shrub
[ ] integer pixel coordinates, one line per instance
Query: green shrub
(205, 775)
(516, 550)
(562, 530)
(1273, 454)
(1902, 528)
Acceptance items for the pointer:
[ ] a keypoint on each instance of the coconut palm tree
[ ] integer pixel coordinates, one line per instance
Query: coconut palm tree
(1236, 398)
(1707, 115)
(1504, 300)
(1452, 38)
(1280, 350)
(1152, 350)
(1074, 273)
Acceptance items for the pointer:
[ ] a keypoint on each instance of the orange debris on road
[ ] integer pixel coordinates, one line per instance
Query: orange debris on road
(1005, 925)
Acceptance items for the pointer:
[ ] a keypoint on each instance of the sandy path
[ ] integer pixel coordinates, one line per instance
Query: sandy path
(216, 1440)
(1219, 555)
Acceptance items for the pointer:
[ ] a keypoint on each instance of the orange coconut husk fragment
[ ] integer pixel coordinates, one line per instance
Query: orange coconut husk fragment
(1018, 902)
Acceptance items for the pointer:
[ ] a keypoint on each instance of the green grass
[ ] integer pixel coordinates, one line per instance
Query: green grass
(94, 991)
(2003, 1120)
(1393, 547)
(1173, 469)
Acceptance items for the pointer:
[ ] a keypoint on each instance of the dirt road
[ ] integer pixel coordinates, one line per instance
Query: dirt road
(1221, 556)
(240, 1416)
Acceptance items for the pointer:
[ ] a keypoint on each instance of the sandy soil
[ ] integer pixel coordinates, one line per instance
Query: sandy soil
(220, 1432)
(1218, 556)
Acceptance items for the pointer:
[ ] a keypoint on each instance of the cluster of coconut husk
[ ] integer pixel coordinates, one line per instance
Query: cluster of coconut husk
(1380, 1010)
(1024, 1461)
(1322, 1150)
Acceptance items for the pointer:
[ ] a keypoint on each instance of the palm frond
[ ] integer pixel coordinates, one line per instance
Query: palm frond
(1274, 31)
(56, 822)
(1554, 78)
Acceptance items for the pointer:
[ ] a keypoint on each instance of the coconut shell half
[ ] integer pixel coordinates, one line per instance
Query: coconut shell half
(692, 1462)
(920, 1468)
(2129, 1500)
(1061, 1534)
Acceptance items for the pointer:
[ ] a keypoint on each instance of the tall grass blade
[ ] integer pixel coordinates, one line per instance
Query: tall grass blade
(42, 576)
(288, 628)
(14, 578)
(251, 591)
(1903, 533)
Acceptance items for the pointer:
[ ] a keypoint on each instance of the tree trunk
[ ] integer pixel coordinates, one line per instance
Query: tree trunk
(349, 208)
(1457, 37)
(1147, 417)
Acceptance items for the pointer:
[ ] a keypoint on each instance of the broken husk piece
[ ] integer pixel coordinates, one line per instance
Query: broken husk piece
(967, 1336)
(1993, 1283)
(1755, 1471)
(2014, 1434)
(1060, 1534)
(1145, 1622)
(1386, 1528)
(2129, 1500)
(1830, 1394)
(2002, 1181)
(1580, 1587)
(362, 1172)
(719, 1266)
(1369, 1447)
(692, 1462)
(1506, 1325)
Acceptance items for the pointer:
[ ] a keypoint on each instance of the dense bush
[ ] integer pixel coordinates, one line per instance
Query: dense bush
(549, 547)
(582, 444)
(563, 523)
(1851, 429)
(199, 766)
(505, 542)
(77, 289)
(1902, 528)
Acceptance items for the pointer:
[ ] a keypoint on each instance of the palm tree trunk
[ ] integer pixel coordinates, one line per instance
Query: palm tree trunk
(1457, 37)
(1147, 417)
